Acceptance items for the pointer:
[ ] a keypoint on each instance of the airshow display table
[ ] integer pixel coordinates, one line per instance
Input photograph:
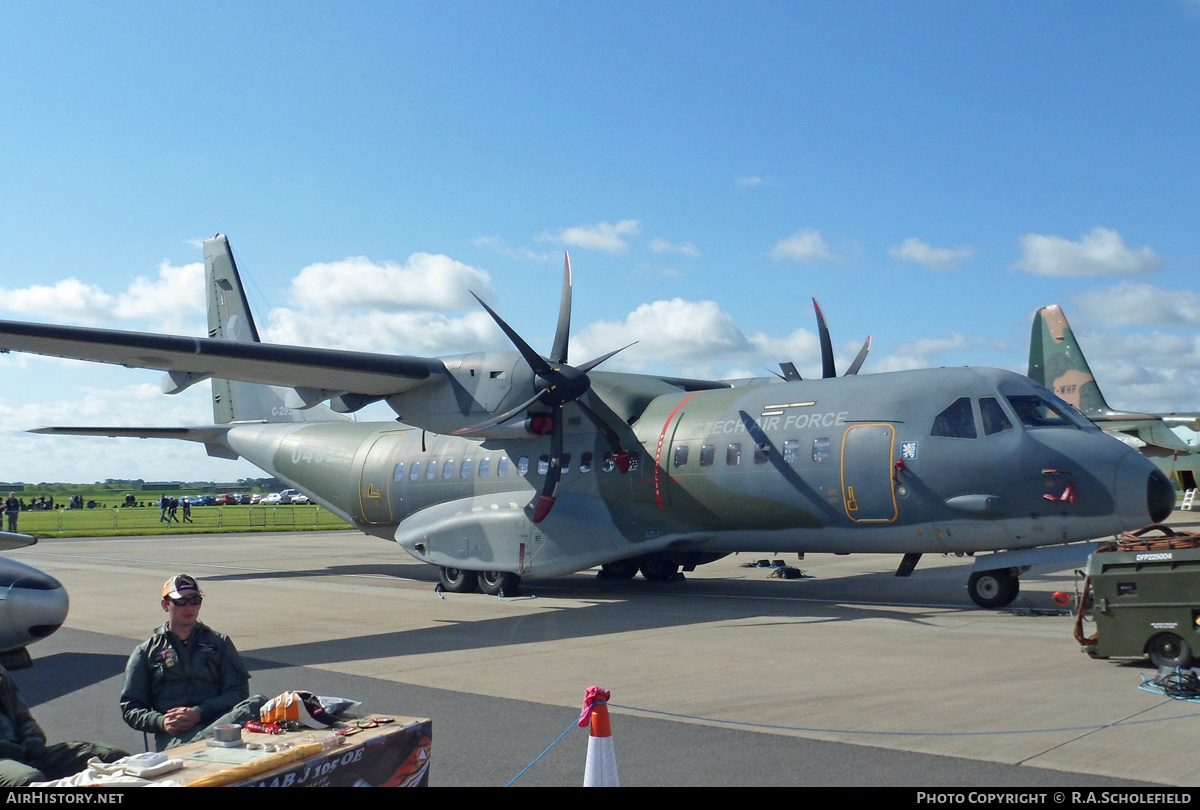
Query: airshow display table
(389, 754)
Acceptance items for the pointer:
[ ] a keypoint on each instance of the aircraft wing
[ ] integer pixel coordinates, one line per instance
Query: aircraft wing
(189, 359)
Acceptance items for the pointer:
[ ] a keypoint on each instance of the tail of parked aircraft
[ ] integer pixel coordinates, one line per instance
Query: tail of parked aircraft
(229, 318)
(1056, 362)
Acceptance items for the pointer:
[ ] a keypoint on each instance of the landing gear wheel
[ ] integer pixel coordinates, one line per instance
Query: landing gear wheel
(621, 569)
(994, 589)
(499, 583)
(456, 580)
(659, 569)
(1169, 650)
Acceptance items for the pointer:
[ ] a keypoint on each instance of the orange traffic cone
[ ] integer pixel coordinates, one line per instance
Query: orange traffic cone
(601, 767)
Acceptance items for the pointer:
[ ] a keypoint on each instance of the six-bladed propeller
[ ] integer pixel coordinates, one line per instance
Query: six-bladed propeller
(557, 384)
(827, 367)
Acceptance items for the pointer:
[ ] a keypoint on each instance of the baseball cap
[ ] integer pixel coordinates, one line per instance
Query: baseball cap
(181, 586)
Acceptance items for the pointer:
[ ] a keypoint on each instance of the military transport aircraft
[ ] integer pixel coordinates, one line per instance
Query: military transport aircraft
(1170, 440)
(509, 464)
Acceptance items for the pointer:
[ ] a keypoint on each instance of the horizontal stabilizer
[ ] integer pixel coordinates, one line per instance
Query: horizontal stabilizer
(211, 436)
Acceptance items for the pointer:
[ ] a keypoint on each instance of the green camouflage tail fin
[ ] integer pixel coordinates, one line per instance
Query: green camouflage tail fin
(229, 318)
(1056, 362)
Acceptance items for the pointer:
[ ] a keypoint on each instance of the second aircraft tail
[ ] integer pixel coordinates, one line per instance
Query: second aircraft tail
(1056, 362)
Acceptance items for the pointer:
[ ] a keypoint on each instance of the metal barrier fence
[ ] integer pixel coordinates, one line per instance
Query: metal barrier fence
(212, 518)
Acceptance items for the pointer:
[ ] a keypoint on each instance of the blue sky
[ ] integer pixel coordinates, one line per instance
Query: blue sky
(931, 172)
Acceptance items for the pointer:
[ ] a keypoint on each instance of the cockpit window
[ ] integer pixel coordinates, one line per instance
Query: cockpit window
(1036, 411)
(956, 422)
(995, 419)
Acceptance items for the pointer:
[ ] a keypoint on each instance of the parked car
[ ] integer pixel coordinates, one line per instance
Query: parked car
(225, 499)
(256, 498)
(300, 498)
(274, 499)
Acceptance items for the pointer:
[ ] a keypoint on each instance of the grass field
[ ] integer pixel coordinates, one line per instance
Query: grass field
(112, 520)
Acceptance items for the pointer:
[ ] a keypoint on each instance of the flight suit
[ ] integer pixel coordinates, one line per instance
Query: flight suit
(205, 671)
(24, 755)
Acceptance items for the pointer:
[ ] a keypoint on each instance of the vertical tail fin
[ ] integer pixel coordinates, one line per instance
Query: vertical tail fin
(229, 318)
(1056, 362)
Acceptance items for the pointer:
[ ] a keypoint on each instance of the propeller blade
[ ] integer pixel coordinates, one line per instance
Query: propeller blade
(619, 452)
(535, 360)
(591, 364)
(554, 473)
(558, 354)
(858, 361)
(827, 367)
(496, 420)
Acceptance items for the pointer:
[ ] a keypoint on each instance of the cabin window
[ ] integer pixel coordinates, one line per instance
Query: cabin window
(791, 451)
(448, 469)
(607, 464)
(485, 464)
(415, 471)
(566, 462)
(502, 466)
(523, 465)
(465, 471)
(398, 472)
(994, 418)
(585, 463)
(430, 470)
(543, 465)
(762, 452)
(707, 453)
(733, 455)
(681, 454)
(956, 422)
(820, 453)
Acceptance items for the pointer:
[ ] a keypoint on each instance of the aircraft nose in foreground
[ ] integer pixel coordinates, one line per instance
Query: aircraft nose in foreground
(1145, 494)
(34, 604)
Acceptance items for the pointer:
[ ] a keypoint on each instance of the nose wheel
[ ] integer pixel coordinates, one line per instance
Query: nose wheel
(994, 589)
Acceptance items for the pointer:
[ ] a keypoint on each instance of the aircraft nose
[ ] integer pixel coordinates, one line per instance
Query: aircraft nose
(35, 605)
(1160, 496)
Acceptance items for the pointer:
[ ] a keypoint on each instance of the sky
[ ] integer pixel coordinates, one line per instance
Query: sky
(930, 172)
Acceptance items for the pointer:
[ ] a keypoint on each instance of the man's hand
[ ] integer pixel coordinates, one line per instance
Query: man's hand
(180, 719)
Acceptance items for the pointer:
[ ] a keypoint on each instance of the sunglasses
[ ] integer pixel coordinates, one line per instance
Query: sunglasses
(187, 600)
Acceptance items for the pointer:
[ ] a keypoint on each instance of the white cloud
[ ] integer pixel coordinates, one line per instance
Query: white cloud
(420, 333)
(168, 302)
(603, 236)
(1127, 304)
(425, 281)
(750, 181)
(915, 251)
(805, 245)
(1101, 252)
(685, 249)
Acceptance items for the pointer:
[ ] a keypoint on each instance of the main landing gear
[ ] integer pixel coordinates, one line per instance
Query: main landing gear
(995, 588)
(495, 583)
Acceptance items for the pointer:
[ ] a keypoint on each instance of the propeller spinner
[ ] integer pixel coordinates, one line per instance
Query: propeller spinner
(557, 384)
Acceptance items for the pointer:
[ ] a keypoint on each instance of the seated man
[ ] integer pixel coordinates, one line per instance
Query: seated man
(186, 679)
(24, 755)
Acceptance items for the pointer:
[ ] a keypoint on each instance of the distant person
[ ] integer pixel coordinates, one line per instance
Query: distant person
(187, 511)
(172, 509)
(164, 502)
(12, 508)
(186, 679)
(24, 755)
